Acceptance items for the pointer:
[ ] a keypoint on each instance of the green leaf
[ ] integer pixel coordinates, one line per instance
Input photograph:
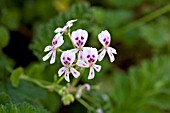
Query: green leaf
(4, 98)
(26, 92)
(125, 3)
(145, 89)
(21, 108)
(16, 75)
(4, 37)
(157, 33)
(11, 18)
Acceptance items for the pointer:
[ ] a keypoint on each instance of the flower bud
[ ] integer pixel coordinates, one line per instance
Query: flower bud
(62, 91)
(67, 99)
(81, 89)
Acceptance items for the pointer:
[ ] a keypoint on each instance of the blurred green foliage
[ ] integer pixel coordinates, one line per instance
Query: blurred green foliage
(138, 81)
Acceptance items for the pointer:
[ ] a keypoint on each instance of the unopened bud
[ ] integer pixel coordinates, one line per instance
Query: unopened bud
(81, 89)
(99, 110)
(67, 99)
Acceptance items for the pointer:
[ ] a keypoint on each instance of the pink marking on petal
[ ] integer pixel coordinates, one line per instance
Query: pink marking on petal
(76, 38)
(82, 38)
(68, 58)
(106, 43)
(75, 72)
(55, 42)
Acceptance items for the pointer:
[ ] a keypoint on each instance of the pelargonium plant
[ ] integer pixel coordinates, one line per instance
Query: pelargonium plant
(75, 59)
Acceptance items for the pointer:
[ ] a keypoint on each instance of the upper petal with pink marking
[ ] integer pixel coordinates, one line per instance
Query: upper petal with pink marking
(104, 38)
(90, 54)
(67, 57)
(79, 37)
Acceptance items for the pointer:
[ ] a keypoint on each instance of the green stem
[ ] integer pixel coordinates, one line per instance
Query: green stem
(101, 49)
(37, 82)
(60, 79)
(84, 103)
(143, 20)
(71, 39)
(88, 98)
(75, 81)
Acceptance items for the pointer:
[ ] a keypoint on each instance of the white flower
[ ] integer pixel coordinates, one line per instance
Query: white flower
(67, 59)
(90, 56)
(81, 89)
(104, 38)
(99, 110)
(56, 42)
(79, 39)
(64, 29)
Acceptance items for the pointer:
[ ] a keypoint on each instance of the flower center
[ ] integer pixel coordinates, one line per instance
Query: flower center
(91, 63)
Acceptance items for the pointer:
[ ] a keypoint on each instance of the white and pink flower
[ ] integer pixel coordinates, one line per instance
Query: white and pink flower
(105, 39)
(64, 29)
(90, 56)
(67, 59)
(56, 43)
(79, 39)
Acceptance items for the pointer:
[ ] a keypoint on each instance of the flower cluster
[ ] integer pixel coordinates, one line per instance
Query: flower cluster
(85, 57)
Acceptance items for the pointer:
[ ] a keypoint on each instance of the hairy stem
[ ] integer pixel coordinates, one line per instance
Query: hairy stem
(84, 103)
(143, 20)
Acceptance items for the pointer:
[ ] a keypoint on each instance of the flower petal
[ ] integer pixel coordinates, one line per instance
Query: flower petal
(112, 50)
(90, 53)
(79, 37)
(53, 57)
(70, 23)
(74, 50)
(104, 38)
(91, 73)
(80, 55)
(57, 40)
(58, 30)
(48, 48)
(111, 56)
(74, 72)
(97, 67)
(66, 75)
(61, 71)
(81, 63)
(101, 55)
(47, 56)
(67, 57)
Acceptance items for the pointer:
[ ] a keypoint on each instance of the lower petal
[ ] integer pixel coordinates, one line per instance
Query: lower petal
(66, 76)
(91, 73)
(111, 56)
(80, 55)
(53, 57)
(97, 67)
(112, 50)
(74, 50)
(48, 48)
(74, 72)
(61, 71)
(101, 55)
(58, 30)
(47, 56)
(82, 63)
